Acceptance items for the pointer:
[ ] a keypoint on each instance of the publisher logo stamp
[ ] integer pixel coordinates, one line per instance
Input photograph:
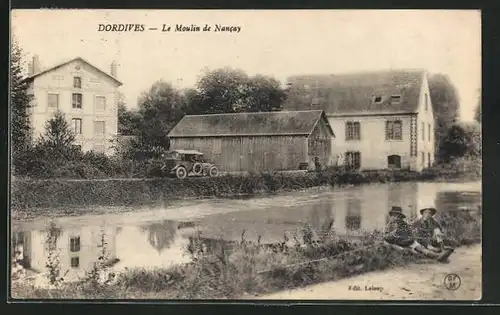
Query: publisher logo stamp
(452, 282)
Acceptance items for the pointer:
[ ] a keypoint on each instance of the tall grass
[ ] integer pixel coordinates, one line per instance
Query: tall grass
(221, 269)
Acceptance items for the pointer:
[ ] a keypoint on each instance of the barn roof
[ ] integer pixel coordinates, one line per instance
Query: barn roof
(249, 124)
(355, 93)
(31, 77)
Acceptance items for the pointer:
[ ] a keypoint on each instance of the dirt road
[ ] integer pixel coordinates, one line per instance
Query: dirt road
(413, 282)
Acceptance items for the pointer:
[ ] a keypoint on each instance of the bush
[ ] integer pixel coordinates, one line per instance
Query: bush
(222, 269)
(115, 192)
(465, 168)
(462, 140)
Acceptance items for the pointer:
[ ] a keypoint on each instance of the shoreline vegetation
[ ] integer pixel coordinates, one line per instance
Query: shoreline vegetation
(229, 270)
(32, 195)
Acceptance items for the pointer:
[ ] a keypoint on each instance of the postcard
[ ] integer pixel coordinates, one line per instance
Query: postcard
(246, 154)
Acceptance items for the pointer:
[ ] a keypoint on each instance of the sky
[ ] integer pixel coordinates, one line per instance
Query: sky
(279, 43)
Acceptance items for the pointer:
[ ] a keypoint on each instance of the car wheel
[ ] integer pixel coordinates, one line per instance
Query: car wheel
(213, 171)
(181, 172)
(197, 168)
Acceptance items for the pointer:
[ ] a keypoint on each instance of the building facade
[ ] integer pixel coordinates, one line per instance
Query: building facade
(381, 119)
(86, 95)
(254, 142)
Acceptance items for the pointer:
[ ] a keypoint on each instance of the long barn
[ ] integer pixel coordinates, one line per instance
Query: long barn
(255, 142)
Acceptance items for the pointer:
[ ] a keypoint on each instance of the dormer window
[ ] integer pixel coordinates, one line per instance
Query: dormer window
(395, 99)
(377, 99)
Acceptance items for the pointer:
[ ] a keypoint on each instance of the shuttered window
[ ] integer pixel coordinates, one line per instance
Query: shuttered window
(100, 103)
(99, 128)
(77, 125)
(77, 100)
(394, 130)
(353, 130)
(53, 100)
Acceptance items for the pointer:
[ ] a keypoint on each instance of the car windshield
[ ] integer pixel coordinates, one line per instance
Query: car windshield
(172, 155)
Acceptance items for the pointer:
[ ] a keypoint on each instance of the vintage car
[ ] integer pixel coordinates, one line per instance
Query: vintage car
(183, 163)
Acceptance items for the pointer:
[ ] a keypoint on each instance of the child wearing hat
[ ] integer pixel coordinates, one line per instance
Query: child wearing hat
(428, 231)
(399, 233)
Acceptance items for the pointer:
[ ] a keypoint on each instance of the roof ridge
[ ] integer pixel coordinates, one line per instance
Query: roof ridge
(255, 113)
(361, 72)
(68, 61)
(292, 122)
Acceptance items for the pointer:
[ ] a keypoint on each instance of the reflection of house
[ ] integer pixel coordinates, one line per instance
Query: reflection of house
(77, 249)
(381, 119)
(364, 209)
(85, 94)
(257, 141)
(353, 214)
(322, 217)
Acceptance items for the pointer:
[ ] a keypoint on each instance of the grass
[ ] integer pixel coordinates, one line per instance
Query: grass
(222, 270)
(29, 194)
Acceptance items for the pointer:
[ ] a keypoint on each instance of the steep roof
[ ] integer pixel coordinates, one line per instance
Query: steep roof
(355, 93)
(249, 124)
(59, 65)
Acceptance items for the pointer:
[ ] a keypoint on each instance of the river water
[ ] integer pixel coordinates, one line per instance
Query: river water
(157, 237)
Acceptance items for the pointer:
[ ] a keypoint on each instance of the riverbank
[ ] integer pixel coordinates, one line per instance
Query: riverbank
(31, 195)
(411, 282)
(220, 269)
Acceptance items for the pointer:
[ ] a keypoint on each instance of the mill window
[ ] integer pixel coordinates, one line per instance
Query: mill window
(353, 131)
(393, 130)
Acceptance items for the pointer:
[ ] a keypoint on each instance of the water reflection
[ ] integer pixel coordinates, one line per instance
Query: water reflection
(161, 243)
(160, 235)
(353, 216)
(72, 250)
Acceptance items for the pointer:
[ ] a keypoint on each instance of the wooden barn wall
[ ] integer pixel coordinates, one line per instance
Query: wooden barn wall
(253, 154)
(320, 144)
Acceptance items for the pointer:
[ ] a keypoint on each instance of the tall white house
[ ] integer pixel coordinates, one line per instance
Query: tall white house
(86, 95)
(382, 119)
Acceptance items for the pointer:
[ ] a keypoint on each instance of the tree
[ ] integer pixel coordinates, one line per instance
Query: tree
(58, 137)
(222, 91)
(445, 103)
(461, 140)
(264, 94)
(227, 90)
(192, 102)
(160, 108)
(128, 120)
(20, 103)
(52, 151)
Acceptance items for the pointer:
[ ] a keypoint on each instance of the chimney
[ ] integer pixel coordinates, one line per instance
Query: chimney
(113, 69)
(35, 65)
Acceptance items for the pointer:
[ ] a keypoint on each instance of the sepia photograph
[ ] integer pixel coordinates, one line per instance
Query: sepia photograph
(245, 155)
